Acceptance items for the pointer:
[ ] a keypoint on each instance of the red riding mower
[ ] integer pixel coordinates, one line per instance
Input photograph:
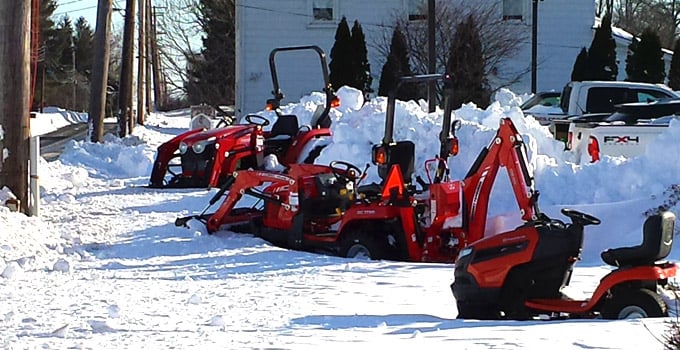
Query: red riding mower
(520, 274)
(206, 158)
(314, 207)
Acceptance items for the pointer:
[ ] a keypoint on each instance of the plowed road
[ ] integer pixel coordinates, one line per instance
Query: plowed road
(52, 144)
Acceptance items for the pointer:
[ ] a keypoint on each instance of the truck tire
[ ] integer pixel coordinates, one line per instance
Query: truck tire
(634, 303)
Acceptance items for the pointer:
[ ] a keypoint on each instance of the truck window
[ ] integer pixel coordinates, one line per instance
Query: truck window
(603, 99)
(564, 103)
(648, 95)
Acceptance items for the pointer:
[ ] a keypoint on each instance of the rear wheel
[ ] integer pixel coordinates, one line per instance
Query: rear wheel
(634, 303)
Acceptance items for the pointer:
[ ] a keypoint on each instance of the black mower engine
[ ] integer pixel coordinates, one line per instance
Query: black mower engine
(496, 275)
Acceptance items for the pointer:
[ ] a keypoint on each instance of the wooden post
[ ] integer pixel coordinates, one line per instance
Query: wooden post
(141, 65)
(100, 72)
(157, 89)
(431, 56)
(15, 33)
(125, 92)
(149, 106)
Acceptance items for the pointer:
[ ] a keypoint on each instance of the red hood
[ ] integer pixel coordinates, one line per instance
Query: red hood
(219, 133)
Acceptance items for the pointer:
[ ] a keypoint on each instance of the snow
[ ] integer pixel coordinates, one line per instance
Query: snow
(104, 267)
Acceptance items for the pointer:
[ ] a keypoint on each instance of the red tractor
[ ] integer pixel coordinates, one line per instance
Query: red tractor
(315, 207)
(206, 158)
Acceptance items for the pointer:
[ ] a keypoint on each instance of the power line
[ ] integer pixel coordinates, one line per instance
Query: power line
(69, 2)
(76, 10)
(278, 11)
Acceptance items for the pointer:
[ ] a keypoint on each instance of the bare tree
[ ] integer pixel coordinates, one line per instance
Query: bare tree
(500, 40)
(180, 40)
(661, 16)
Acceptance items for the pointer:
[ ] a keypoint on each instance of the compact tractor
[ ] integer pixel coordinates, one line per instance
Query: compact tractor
(518, 274)
(206, 158)
(317, 207)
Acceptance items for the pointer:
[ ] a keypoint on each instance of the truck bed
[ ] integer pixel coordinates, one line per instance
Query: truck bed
(591, 141)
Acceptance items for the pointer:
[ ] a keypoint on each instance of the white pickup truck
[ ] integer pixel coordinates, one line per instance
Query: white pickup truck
(626, 132)
(585, 97)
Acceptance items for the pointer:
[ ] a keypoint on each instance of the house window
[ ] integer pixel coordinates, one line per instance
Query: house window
(513, 9)
(417, 10)
(323, 10)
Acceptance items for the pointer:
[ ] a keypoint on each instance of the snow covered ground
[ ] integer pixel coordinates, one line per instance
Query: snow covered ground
(104, 267)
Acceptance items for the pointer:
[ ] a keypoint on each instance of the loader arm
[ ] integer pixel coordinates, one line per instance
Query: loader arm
(245, 181)
(507, 150)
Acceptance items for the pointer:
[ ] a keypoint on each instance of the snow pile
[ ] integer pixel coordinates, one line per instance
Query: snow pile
(105, 267)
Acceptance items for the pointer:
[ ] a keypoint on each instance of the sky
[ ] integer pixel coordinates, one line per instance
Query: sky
(88, 9)
(104, 266)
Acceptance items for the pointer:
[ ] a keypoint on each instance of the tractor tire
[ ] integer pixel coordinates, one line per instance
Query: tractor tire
(365, 245)
(634, 303)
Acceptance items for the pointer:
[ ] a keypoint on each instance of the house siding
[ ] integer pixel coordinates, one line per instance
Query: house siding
(564, 27)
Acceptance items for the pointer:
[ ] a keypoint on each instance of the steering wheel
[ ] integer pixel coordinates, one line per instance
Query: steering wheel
(304, 128)
(580, 218)
(257, 119)
(345, 170)
(224, 121)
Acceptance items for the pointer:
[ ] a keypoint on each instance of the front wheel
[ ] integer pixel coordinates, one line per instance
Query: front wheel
(366, 246)
(634, 303)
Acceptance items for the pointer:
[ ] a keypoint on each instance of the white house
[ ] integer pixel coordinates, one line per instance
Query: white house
(564, 26)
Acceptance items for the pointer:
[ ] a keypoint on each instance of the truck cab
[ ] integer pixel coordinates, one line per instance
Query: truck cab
(587, 97)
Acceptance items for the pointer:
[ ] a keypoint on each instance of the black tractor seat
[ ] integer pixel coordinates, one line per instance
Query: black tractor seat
(657, 242)
(283, 131)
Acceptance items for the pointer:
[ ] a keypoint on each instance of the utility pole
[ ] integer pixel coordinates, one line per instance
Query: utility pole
(100, 72)
(73, 75)
(141, 65)
(147, 23)
(125, 92)
(534, 44)
(42, 55)
(432, 56)
(157, 89)
(15, 95)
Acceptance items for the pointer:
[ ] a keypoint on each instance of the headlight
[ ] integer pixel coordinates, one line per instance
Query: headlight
(199, 147)
(465, 252)
(183, 148)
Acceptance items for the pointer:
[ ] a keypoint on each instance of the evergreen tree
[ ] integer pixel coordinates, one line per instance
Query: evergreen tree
(213, 72)
(631, 59)
(47, 8)
(644, 62)
(396, 66)
(83, 42)
(580, 70)
(60, 47)
(466, 66)
(674, 70)
(58, 66)
(602, 53)
(341, 65)
(47, 28)
(361, 69)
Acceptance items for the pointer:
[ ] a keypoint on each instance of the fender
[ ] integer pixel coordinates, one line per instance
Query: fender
(293, 152)
(611, 280)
